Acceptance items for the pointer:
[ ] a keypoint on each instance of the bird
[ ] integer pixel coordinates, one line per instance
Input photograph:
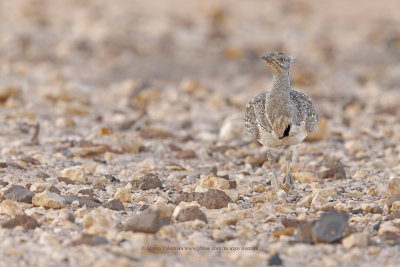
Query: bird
(280, 117)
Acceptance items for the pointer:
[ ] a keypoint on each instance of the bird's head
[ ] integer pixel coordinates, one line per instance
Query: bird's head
(278, 62)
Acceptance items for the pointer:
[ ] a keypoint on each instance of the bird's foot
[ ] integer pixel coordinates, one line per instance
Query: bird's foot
(288, 180)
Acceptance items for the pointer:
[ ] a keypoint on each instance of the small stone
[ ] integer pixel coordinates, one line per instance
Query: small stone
(370, 208)
(48, 200)
(231, 218)
(318, 201)
(90, 240)
(213, 182)
(114, 204)
(82, 201)
(39, 187)
(147, 182)
(285, 208)
(10, 207)
(27, 222)
(77, 174)
(335, 171)
(395, 206)
(99, 221)
(356, 240)
(65, 180)
(392, 199)
(212, 199)
(18, 193)
(360, 174)
(305, 177)
(54, 189)
(220, 235)
(332, 226)
(275, 260)
(289, 222)
(190, 214)
(185, 154)
(88, 192)
(393, 187)
(149, 221)
(388, 227)
(288, 231)
(123, 194)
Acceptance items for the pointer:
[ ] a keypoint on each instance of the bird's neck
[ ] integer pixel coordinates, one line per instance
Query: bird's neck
(281, 83)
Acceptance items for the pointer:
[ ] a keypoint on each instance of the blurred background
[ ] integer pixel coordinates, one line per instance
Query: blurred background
(347, 54)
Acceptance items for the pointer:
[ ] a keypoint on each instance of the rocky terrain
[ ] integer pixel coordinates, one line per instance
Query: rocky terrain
(122, 136)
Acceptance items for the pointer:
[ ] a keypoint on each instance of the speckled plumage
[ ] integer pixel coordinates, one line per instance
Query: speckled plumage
(280, 116)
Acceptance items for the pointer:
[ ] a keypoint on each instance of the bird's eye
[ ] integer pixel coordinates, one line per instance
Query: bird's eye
(283, 60)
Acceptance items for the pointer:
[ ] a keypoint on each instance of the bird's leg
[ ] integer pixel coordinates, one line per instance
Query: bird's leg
(275, 182)
(289, 179)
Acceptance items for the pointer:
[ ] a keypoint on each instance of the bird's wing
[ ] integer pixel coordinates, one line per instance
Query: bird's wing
(255, 112)
(305, 110)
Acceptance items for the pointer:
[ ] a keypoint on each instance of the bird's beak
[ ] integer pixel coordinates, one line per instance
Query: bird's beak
(267, 58)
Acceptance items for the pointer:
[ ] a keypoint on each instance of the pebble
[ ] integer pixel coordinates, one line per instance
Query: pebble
(370, 208)
(220, 235)
(10, 207)
(99, 221)
(148, 221)
(77, 174)
(90, 240)
(212, 199)
(393, 187)
(65, 180)
(114, 204)
(82, 201)
(318, 201)
(360, 174)
(275, 260)
(331, 226)
(18, 193)
(231, 218)
(395, 206)
(391, 200)
(123, 194)
(335, 171)
(190, 214)
(212, 182)
(48, 200)
(27, 222)
(147, 182)
(355, 240)
(305, 177)
(186, 154)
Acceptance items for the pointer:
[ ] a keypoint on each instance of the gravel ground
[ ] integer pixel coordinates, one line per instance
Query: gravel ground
(123, 140)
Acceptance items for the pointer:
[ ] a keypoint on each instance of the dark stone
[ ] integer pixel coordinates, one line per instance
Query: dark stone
(21, 220)
(332, 226)
(148, 221)
(30, 160)
(115, 204)
(82, 201)
(275, 260)
(66, 180)
(19, 193)
(54, 189)
(186, 154)
(90, 240)
(2, 183)
(28, 186)
(377, 226)
(87, 192)
(149, 181)
(289, 222)
(42, 175)
(3, 165)
(357, 211)
(191, 214)
(212, 199)
(232, 184)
